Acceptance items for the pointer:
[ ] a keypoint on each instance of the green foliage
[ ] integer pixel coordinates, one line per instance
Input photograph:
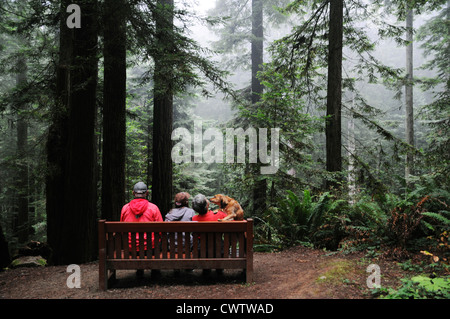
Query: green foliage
(291, 217)
(396, 224)
(418, 287)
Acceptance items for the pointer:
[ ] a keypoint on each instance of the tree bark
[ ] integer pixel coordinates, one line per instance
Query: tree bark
(334, 89)
(257, 46)
(409, 109)
(351, 175)
(72, 231)
(57, 137)
(5, 258)
(114, 107)
(162, 170)
(79, 223)
(22, 167)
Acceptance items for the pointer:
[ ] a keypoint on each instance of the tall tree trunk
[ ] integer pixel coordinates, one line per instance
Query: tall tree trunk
(149, 143)
(57, 138)
(409, 95)
(163, 108)
(334, 89)
(114, 107)
(257, 46)
(74, 240)
(5, 258)
(351, 153)
(22, 168)
(80, 184)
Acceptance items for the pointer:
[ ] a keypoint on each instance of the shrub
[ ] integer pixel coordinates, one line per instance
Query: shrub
(419, 287)
(287, 223)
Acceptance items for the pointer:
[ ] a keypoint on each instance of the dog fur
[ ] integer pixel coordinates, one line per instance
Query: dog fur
(229, 206)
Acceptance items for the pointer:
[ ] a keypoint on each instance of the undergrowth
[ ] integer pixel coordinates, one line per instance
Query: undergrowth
(389, 225)
(417, 287)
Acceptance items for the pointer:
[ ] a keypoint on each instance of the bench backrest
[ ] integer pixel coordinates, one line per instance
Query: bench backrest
(175, 240)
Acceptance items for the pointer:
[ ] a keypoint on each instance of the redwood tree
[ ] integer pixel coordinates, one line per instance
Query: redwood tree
(257, 45)
(114, 107)
(22, 167)
(334, 89)
(71, 188)
(163, 107)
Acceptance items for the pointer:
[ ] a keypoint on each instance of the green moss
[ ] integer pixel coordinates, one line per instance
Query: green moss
(42, 262)
(14, 263)
(337, 271)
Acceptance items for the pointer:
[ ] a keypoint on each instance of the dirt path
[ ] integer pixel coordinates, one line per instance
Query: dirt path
(298, 272)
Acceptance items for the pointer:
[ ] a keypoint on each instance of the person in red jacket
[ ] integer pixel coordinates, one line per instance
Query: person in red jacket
(140, 210)
(201, 205)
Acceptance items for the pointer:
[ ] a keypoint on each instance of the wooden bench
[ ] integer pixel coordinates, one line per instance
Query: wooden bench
(198, 245)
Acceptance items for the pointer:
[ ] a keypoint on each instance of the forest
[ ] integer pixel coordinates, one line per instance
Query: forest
(342, 109)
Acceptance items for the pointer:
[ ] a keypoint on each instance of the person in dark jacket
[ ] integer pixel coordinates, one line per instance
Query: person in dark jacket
(181, 213)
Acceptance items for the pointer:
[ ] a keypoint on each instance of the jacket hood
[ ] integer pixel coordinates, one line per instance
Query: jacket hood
(180, 214)
(138, 206)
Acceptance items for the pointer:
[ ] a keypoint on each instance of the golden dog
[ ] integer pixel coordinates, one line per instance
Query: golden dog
(229, 206)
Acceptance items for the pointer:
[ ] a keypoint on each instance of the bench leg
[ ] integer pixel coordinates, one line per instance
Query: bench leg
(103, 278)
(112, 278)
(248, 276)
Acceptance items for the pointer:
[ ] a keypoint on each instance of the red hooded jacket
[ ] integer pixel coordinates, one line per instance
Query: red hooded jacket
(141, 210)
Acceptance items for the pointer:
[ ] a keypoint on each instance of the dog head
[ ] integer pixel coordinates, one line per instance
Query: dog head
(220, 200)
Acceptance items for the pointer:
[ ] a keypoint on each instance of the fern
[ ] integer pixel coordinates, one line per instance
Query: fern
(316, 217)
(428, 225)
(443, 220)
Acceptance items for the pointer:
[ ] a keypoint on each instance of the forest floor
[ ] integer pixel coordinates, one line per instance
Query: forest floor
(298, 272)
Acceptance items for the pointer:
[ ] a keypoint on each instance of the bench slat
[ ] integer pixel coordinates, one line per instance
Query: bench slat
(210, 244)
(133, 245)
(110, 246)
(172, 245)
(164, 245)
(187, 244)
(180, 248)
(157, 244)
(125, 245)
(241, 245)
(118, 244)
(195, 245)
(233, 244)
(219, 244)
(202, 245)
(226, 245)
